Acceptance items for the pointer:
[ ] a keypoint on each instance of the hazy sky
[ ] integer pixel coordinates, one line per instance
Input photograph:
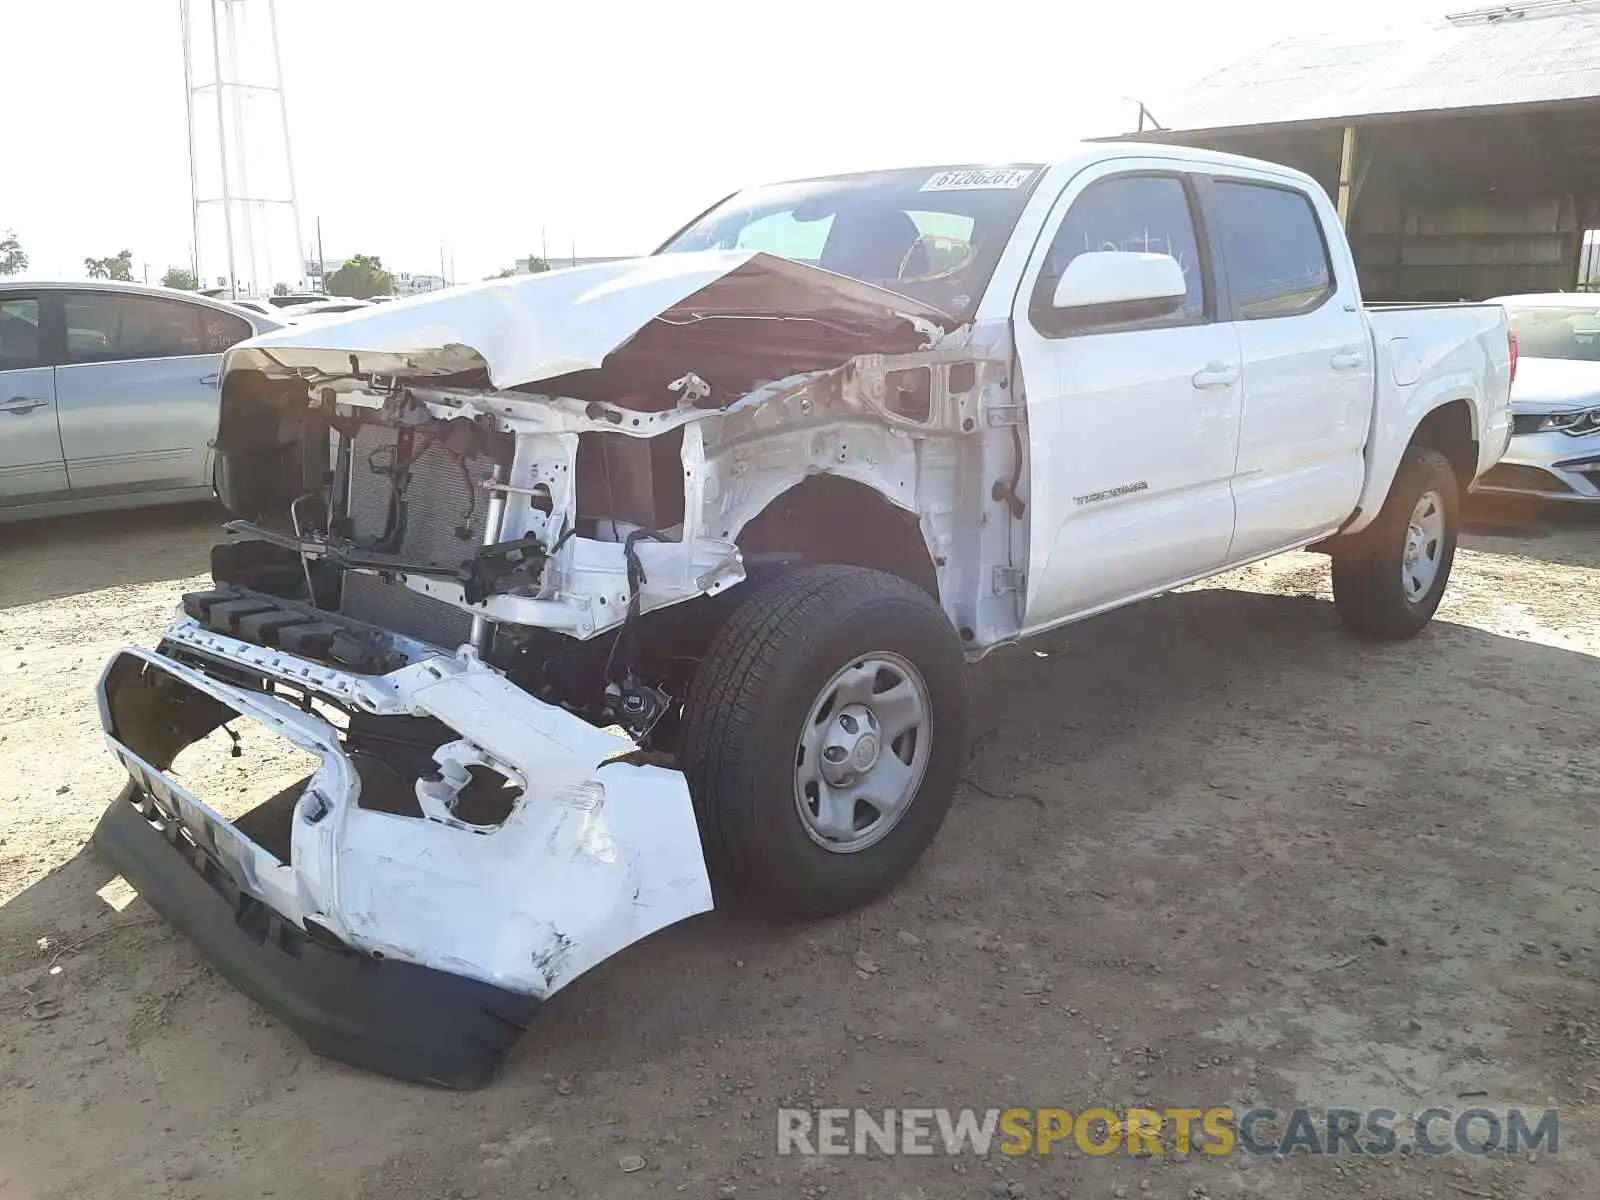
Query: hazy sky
(475, 123)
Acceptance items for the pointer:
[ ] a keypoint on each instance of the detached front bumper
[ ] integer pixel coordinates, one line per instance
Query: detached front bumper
(1547, 466)
(412, 1022)
(415, 945)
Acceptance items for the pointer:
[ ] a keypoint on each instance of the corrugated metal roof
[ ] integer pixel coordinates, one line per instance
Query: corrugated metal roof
(1511, 56)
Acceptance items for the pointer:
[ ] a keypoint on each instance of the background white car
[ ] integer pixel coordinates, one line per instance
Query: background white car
(1555, 401)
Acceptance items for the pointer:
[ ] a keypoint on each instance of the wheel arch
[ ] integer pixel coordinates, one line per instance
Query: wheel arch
(827, 517)
(1449, 424)
(1451, 429)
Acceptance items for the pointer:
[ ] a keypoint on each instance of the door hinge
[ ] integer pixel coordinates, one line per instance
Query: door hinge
(1008, 579)
(1000, 415)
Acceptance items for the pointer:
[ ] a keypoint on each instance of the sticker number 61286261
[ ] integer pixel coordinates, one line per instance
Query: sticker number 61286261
(975, 179)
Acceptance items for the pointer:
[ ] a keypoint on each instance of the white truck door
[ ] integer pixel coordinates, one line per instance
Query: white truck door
(1133, 424)
(1308, 369)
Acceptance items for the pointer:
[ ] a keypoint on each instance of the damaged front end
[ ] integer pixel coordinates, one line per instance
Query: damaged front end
(456, 521)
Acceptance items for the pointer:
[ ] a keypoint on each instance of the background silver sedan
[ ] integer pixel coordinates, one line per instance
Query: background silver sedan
(108, 394)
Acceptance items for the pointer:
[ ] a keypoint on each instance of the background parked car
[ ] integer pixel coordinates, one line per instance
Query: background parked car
(1555, 401)
(108, 394)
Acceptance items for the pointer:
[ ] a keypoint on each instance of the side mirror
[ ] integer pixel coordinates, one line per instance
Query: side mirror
(1107, 287)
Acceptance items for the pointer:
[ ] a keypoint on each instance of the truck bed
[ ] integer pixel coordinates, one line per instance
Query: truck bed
(1427, 355)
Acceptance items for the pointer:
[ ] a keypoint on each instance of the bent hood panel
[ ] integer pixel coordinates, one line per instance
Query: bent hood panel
(535, 327)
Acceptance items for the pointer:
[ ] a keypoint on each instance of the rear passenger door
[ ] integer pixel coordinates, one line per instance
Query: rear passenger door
(1308, 374)
(138, 391)
(31, 470)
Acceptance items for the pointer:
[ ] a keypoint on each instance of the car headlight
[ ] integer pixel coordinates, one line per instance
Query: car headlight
(1574, 423)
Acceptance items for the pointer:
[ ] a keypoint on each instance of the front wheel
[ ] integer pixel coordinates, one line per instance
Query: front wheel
(1389, 578)
(823, 737)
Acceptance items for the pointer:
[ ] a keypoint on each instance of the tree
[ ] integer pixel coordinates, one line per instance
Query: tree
(13, 258)
(119, 266)
(537, 265)
(280, 289)
(361, 277)
(504, 273)
(181, 278)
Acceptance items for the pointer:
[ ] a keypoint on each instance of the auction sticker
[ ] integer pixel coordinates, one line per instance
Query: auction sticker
(978, 179)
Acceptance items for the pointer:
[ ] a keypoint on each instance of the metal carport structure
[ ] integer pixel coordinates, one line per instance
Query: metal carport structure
(1464, 154)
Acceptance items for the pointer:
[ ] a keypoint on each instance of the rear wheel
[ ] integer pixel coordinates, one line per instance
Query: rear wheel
(1389, 578)
(822, 737)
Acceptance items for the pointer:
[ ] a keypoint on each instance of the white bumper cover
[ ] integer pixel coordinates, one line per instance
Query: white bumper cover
(595, 854)
(1557, 466)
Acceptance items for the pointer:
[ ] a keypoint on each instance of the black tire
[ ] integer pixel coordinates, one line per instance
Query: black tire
(1367, 585)
(750, 700)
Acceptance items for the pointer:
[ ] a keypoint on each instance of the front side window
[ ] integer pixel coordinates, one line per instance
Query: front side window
(1147, 214)
(20, 343)
(107, 327)
(933, 233)
(1274, 252)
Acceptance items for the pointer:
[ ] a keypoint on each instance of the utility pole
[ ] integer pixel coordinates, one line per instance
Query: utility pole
(283, 115)
(242, 161)
(188, 108)
(243, 41)
(322, 263)
(222, 151)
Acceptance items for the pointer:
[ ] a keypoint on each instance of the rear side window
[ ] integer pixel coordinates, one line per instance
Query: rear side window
(109, 327)
(1275, 254)
(20, 344)
(219, 330)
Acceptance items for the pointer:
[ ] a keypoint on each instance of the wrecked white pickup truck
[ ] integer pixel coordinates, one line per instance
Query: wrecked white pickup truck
(742, 508)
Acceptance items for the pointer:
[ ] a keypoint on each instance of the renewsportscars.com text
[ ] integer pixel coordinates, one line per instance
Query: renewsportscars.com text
(1262, 1131)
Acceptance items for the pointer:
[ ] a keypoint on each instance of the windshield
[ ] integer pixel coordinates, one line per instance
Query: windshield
(932, 233)
(1568, 332)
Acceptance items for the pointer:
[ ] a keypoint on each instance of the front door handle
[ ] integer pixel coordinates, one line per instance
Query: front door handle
(1215, 375)
(22, 404)
(1347, 360)
(209, 380)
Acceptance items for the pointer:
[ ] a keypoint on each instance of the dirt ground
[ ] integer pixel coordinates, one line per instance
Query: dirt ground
(1211, 850)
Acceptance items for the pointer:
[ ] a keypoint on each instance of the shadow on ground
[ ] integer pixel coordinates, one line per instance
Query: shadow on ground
(66, 556)
(1568, 534)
